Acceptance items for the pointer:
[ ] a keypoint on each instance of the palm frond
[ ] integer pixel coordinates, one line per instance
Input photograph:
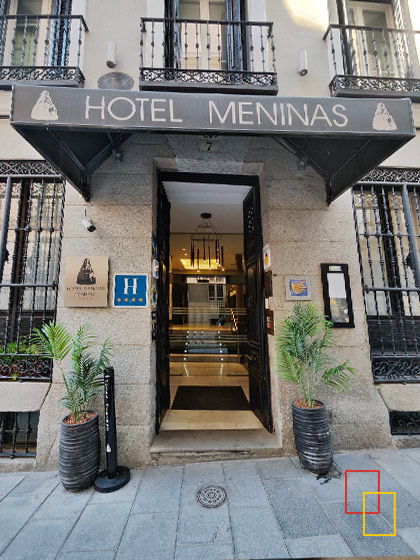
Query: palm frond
(84, 379)
(302, 342)
(52, 340)
(338, 377)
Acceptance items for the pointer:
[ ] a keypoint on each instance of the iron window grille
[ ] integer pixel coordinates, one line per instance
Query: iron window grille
(404, 423)
(387, 219)
(18, 434)
(30, 251)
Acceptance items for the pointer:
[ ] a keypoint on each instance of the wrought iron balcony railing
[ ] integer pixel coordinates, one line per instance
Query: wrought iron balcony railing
(374, 61)
(41, 48)
(181, 54)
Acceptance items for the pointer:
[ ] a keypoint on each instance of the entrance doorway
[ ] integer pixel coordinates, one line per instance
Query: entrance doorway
(212, 364)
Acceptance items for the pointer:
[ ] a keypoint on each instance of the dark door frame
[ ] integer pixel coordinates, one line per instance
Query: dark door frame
(253, 182)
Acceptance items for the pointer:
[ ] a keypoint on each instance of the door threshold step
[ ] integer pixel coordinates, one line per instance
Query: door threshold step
(191, 446)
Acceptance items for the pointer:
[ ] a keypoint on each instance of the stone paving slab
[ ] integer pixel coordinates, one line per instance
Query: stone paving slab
(36, 483)
(151, 536)
(278, 468)
(61, 504)
(93, 555)
(325, 489)
(99, 527)
(244, 485)
(325, 546)
(204, 473)
(274, 509)
(406, 471)
(14, 513)
(202, 525)
(351, 529)
(204, 552)
(159, 491)
(39, 538)
(297, 511)
(8, 483)
(125, 494)
(257, 534)
(414, 454)
(412, 538)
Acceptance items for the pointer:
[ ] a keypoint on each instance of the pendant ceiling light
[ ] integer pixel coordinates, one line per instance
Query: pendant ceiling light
(206, 247)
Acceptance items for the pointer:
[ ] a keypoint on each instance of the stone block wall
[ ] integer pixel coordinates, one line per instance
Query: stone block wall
(303, 232)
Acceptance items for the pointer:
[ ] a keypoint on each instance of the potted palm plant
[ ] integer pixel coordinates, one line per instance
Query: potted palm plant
(302, 344)
(79, 452)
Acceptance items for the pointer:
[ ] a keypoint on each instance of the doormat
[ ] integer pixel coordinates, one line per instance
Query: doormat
(210, 398)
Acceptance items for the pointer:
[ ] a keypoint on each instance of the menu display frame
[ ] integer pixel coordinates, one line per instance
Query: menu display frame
(338, 304)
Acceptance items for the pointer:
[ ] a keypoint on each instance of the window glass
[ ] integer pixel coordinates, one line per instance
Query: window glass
(32, 7)
(189, 9)
(375, 18)
(217, 10)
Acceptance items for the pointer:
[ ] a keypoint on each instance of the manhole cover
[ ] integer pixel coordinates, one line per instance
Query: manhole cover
(211, 496)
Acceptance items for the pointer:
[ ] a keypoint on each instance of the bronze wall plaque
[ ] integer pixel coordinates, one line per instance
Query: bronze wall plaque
(86, 282)
(115, 80)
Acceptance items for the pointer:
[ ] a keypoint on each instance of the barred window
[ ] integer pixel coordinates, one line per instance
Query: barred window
(388, 233)
(32, 213)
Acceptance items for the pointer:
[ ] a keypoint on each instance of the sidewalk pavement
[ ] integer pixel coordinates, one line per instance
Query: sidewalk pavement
(274, 509)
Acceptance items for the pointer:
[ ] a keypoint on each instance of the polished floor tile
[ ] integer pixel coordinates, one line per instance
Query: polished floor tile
(210, 420)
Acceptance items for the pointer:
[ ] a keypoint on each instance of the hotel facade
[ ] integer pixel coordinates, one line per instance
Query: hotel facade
(177, 174)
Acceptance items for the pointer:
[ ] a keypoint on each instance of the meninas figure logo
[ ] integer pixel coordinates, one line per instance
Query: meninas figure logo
(44, 109)
(382, 119)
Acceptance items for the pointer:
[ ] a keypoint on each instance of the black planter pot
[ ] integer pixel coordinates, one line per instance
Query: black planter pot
(313, 438)
(79, 454)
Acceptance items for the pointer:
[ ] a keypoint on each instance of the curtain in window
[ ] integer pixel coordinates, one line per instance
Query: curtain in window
(60, 35)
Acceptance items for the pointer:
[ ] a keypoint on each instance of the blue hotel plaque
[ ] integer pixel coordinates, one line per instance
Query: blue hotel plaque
(130, 290)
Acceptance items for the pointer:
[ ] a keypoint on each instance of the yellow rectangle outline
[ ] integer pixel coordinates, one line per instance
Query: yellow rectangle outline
(395, 516)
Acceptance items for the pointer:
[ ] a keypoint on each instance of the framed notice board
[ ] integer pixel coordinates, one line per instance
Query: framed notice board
(338, 305)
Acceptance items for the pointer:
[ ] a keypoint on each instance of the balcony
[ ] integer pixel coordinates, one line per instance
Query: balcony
(373, 61)
(41, 49)
(211, 55)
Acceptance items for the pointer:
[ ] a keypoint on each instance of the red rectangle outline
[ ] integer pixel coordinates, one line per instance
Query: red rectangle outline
(345, 492)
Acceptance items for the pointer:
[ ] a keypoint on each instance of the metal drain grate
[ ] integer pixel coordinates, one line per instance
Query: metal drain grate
(211, 496)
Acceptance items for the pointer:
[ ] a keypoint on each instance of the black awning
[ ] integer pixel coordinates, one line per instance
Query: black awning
(77, 129)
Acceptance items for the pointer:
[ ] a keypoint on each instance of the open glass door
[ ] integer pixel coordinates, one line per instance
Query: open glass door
(259, 381)
(162, 309)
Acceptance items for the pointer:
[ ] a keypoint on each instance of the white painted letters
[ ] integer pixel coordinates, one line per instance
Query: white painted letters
(242, 112)
(230, 109)
(323, 116)
(142, 100)
(223, 114)
(171, 112)
(260, 107)
(129, 115)
(100, 107)
(291, 109)
(155, 110)
(344, 117)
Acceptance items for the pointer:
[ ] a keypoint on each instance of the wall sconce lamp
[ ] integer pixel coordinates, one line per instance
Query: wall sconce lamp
(111, 54)
(302, 63)
(88, 224)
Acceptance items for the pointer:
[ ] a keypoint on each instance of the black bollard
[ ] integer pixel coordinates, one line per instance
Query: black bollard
(114, 477)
